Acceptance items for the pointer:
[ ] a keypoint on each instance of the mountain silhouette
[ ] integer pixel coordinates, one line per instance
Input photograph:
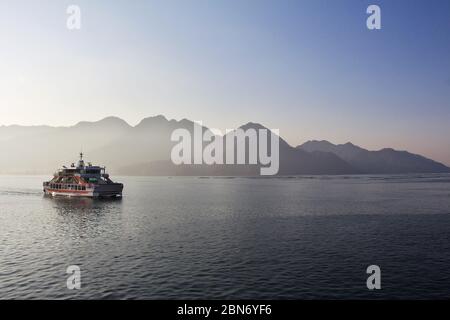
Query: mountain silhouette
(385, 161)
(145, 149)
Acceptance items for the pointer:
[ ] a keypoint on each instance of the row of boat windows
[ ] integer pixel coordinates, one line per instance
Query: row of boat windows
(67, 187)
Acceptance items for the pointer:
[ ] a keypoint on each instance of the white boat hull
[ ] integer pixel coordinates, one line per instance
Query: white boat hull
(113, 190)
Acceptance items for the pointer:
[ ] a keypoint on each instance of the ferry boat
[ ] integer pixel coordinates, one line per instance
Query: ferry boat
(82, 181)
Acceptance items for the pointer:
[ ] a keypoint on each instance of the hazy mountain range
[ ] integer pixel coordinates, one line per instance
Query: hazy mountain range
(145, 150)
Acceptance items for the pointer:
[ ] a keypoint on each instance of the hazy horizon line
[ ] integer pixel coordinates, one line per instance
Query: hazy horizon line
(185, 118)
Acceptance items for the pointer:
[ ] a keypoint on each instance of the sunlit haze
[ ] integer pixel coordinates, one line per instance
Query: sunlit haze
(311, 69)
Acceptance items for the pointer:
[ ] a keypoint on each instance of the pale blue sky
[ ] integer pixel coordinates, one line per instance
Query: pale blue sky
(310, 68)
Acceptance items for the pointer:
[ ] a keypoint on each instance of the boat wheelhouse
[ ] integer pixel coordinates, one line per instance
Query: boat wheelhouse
(82, 181)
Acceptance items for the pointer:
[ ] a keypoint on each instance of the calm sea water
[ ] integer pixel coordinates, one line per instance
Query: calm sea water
(218, 238)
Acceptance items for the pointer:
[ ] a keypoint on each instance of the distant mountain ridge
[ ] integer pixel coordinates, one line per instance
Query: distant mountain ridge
(145, 149)
(385, 161)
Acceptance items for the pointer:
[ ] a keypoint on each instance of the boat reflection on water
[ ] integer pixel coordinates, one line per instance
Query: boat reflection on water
(82, 218)
(88, 205)
(82, 203)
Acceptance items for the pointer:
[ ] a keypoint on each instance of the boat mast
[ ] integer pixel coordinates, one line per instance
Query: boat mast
(81, 162)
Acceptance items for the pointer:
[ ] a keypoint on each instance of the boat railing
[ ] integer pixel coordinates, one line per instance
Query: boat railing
(66, 186)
